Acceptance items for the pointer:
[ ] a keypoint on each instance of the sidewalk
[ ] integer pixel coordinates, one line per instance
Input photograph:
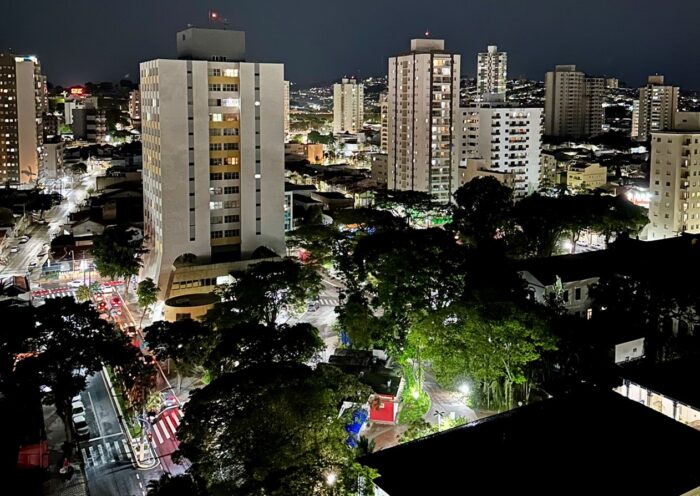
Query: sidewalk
(56, 485)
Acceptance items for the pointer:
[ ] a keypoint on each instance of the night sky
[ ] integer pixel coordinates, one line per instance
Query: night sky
(322, 40)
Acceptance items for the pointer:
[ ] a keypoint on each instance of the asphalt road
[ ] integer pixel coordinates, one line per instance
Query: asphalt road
(18, 263)
(108, 459)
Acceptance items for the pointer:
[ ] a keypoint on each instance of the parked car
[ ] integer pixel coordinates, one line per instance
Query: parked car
(313, 306)
(32, 265)
(116, 301)
(81, 427)
(78, 407)
(23, 239)
(14, 249)
(76, 284)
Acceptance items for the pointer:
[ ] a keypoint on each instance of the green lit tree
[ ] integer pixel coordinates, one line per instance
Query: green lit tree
(146, 295)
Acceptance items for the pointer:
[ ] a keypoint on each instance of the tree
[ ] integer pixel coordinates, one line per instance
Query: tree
(83, 293)
(409, 205)
(72, 343)
(489, 344)
(409, 271)
(79, 168)
(272, 429)
(483, 211)
(540, 225)
(261, 292)
(117, 252)
(179, 485)
(251, 344)
(187, 342)
(146, 295)
(621, 217)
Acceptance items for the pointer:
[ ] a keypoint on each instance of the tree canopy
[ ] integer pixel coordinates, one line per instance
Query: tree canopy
(117, 252)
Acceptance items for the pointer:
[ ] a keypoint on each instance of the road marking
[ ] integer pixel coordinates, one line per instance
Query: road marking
(94, 414)
(165, 431)
(127, 451)
(118, 450)
(103, 437)
(155, 429)
(110, 455)
(176, 418)
(85, 455)
(170, 423)
(102, 454)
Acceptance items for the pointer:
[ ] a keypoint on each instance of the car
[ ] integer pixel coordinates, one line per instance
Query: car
(116, 301)
(81, 427)
(23, 239)
(41, 255)
(101, 306)
(76, 284)
(32, 265)
(41, 221)
(313, 306)
(115, 312)
(77, 407)
(14, 249)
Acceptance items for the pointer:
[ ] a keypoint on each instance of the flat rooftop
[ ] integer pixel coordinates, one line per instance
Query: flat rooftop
(588, 442)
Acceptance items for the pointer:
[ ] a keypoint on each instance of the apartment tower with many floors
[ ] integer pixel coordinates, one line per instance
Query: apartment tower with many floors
(423, 112)
(658, 104)
(491, 73)
(348, 106)
(573, 103)
(22, 104)
(213, 153)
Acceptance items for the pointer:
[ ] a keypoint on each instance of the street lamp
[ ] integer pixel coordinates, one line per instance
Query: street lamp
(464, 389)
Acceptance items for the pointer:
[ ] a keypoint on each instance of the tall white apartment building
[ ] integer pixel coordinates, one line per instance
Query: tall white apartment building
(286, 110)
(491, 73)
(348, 106)
(674, 184)
(634, 126)
(22, 103)
(573, 103)
(384, 122)
(423, 110)
(213, 153)
(503, 140)
(658, 104)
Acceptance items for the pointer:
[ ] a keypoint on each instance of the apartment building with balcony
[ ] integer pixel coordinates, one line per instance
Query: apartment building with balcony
(348, 106)
(573, 103)
(491, 73)
(423, 110)
(503, 140)
(674, 184)
(658, 104)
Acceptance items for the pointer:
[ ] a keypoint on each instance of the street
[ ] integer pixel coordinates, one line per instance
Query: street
(107, 456)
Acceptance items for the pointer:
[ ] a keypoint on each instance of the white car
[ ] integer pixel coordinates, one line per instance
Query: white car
(81, 427)
(76, 284)
(77, 407)
(14, 249)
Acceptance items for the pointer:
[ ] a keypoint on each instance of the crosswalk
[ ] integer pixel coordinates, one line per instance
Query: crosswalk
(60, 294)
(106, 451)
(165, 428)
(329, 302)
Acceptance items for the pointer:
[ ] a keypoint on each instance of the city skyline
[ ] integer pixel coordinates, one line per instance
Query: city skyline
(315, 48)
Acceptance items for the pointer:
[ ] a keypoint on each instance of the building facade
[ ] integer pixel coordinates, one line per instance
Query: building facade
(53, 159)
(286, 110)
(658, 104)
(423, 112)
(213, 156)
(135, 108)
(348, 106)
(573, 103)
(504, 140)
(22, 104)
(491, 73)
(586, 177)
(384, 122)
(674, 186)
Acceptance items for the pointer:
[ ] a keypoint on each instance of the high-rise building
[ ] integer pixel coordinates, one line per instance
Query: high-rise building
(384, 122)
(135, 108)
(348, 106)
(423, 110)
(675, 195)
(491, 73)
(634, 126)
(22, 104)
(213, 153)
(286, 110)
(504, 140)
(658, 104)
(573, 103)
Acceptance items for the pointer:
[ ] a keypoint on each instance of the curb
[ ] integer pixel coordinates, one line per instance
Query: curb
(150, 461)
